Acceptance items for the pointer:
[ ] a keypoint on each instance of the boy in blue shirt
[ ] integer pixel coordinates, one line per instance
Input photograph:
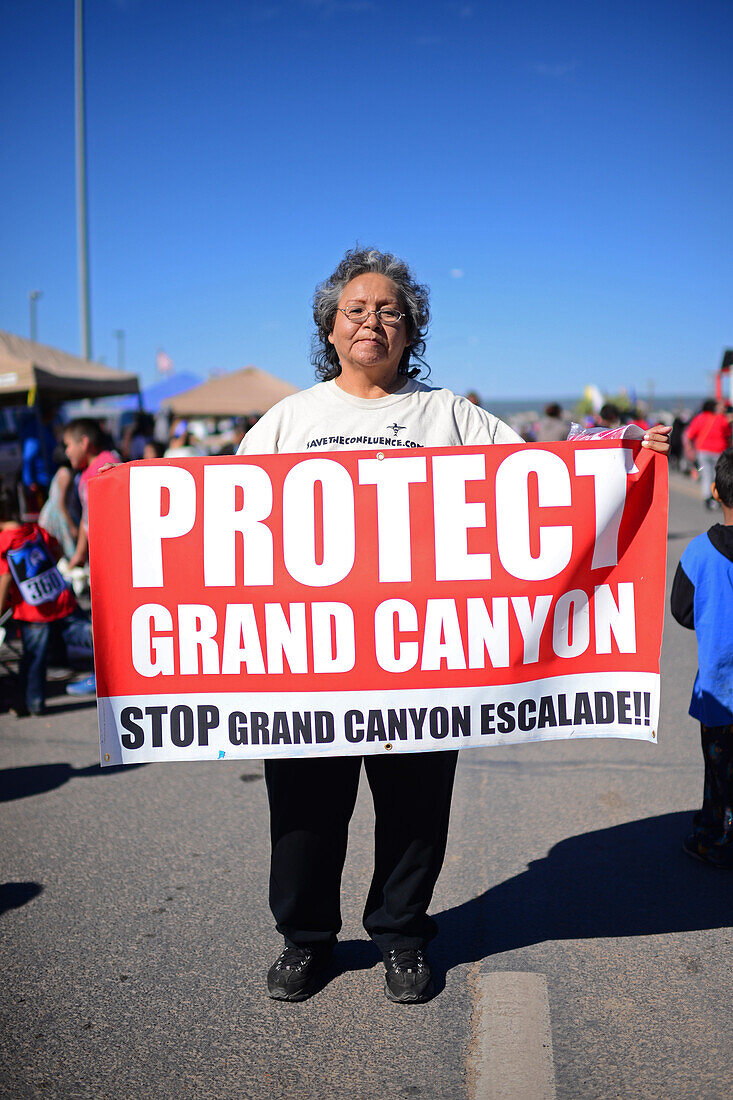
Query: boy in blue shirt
(702, 599)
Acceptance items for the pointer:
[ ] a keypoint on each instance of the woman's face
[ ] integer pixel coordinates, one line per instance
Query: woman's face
(370, 345)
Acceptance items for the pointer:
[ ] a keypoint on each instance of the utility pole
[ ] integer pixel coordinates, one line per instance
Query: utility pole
(81, 184)
(119, 334)
(33, 297)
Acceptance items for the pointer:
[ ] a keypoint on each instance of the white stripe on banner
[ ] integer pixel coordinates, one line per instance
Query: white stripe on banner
(231, 725)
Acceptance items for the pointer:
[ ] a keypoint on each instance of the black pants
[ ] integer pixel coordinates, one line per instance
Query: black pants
(311, 803)
(713, 823)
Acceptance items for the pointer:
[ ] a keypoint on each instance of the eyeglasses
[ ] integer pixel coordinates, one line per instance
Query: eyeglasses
(358, 315)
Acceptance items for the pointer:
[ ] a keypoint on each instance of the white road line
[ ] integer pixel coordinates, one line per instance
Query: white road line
(513, 1044)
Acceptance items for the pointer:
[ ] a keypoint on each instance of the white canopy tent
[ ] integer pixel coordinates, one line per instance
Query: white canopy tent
(30, 372)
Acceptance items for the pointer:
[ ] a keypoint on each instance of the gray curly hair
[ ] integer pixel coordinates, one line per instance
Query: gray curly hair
(414, 299)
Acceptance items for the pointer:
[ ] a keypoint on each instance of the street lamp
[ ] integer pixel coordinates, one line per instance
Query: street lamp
(81, 183)
(33, 297)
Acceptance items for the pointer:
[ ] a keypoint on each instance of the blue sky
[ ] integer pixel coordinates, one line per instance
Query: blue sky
(559, 173)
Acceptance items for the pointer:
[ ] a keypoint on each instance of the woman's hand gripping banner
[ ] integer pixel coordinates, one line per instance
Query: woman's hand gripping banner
(354, 602)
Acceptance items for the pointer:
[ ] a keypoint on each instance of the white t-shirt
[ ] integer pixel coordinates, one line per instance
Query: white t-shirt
(326, 418)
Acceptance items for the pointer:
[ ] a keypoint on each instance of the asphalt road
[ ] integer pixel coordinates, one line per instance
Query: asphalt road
(135, 935)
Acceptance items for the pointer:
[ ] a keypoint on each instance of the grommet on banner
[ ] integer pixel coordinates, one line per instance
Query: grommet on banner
(380, 456)
(106, 758)
(387, 747)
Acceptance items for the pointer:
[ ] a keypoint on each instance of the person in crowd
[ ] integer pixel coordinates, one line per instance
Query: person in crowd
(552, 427)
(61, 513)
(162, 425)
(702, 600)
(39, 446)
(42, 604)
(371, 319)
(609, 416)
(635, 416)
(709, 433)
(154, 449)
(88, 448)
(242, 425)
(136, 435)
(675, 442)
(183, 442)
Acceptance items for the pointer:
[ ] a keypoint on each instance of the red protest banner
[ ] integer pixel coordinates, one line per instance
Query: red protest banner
(357, 602)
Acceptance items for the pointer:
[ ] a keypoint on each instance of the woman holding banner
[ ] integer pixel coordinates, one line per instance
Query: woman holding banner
(371, 320)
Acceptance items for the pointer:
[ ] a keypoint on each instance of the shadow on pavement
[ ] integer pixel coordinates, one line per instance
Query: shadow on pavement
(38, 778)
(681, 535)
(349, 955)
(628, 880)
(354, 955)
(15, 894)
(70, 704)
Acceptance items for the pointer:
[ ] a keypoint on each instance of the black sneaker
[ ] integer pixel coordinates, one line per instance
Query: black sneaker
(294, 976)
(408, 979)
(692, 847)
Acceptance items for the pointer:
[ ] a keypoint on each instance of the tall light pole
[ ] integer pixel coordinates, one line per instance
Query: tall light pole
(81, 184)
(33, 297)
(119, 334)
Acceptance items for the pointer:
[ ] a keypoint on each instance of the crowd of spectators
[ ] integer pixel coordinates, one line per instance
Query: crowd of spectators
(43, 520)
(696, 441)
(48, 486)
(59, 458)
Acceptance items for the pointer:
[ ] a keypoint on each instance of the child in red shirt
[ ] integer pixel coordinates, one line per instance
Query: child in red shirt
(42, 604)
(709, 433)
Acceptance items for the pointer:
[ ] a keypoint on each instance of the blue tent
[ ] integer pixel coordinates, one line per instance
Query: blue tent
(154, 397)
